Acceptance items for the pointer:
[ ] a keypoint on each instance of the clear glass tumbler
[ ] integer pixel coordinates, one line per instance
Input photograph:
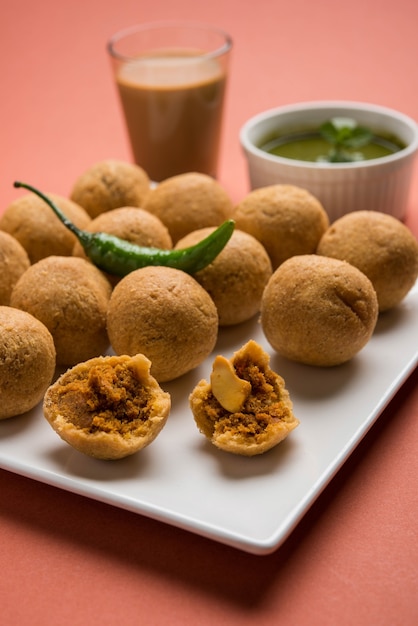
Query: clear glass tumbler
(171, 78)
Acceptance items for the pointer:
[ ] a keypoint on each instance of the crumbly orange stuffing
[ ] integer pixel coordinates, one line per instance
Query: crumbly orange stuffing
(263, 406)
(245, 408)
(109, 399)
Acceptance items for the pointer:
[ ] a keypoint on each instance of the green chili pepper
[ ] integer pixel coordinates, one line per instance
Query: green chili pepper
(119, 257)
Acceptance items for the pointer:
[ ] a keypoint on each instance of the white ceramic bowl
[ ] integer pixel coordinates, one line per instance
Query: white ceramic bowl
(377, 184)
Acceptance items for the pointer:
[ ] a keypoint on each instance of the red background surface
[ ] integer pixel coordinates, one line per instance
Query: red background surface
(353, 560)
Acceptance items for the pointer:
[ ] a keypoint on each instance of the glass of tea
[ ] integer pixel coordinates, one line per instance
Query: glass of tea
(171, 79)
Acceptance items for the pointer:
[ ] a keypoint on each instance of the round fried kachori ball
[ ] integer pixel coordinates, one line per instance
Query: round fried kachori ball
(188, 202)
(166, 315)
(286, 219)
(132, 224)
(13, 262)
(27, 361)
(318, 311)
(108, 407)
(70, 296)
(110, 184)
(34, 224)
(236, 278)
(380, 246)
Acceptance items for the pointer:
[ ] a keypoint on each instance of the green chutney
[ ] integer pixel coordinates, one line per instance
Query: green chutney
(311, 146)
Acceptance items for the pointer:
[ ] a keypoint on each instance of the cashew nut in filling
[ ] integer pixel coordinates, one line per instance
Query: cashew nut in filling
(245, 408)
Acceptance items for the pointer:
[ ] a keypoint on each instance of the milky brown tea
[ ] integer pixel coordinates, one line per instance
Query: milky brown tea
(173, 103)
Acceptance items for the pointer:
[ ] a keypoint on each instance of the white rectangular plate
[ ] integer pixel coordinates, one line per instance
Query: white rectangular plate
(250, 503)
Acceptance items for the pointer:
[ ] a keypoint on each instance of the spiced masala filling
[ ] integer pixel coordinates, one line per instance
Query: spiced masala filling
(111, 398)
(246, 408)
(265, 405)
